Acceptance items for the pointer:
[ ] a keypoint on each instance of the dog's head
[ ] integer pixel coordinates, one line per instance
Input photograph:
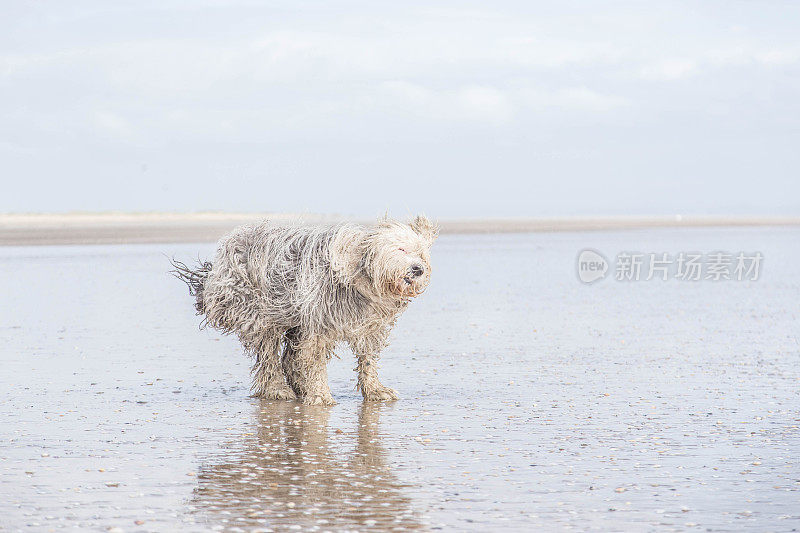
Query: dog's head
(391, 258)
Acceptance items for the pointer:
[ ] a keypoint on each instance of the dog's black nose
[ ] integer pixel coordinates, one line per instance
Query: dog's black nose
(416, 271)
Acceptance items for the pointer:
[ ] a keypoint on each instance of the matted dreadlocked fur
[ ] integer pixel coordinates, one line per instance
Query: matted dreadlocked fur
(291, 292)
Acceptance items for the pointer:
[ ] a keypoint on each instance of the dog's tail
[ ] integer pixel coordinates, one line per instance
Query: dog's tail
(194, 278)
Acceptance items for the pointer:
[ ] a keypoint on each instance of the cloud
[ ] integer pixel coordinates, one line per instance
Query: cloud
(742, 56)
(471, 103)
(737, 56)
(484, 103)
(669, 70)
(113, 124)
(571, 98)
(492, 105)
(780, 56)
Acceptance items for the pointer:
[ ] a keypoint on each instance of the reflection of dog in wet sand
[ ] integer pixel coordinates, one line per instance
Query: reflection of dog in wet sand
(293, 472)
(292, 292)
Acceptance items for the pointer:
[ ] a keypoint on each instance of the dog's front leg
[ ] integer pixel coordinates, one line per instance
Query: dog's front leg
(367, 352)
(371, 388)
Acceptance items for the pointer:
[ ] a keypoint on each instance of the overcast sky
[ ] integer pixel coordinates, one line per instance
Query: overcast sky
(453, 108)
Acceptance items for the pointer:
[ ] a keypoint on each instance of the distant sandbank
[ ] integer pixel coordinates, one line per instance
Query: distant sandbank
(121, 228)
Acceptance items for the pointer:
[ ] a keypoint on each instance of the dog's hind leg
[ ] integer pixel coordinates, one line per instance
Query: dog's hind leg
(268, 380)
(289, 363)
(305, 365)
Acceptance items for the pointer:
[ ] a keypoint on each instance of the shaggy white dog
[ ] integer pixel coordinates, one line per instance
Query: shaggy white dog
(291, 293)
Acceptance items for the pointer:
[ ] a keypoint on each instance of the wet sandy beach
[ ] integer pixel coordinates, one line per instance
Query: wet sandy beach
(529, 401)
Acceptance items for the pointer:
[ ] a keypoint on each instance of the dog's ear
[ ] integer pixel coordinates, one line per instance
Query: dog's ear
(425, 228)
(347, 251)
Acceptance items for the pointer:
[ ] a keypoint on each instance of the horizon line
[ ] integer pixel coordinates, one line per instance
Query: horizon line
(126, 227)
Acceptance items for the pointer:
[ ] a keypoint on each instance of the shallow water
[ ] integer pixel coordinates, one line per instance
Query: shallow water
(529, 400)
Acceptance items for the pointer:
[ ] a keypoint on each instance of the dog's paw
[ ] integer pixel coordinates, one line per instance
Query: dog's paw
(281, 393)
(381, 394)
(318, 399)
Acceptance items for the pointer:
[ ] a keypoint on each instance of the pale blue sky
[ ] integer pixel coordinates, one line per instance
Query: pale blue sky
(455, 109)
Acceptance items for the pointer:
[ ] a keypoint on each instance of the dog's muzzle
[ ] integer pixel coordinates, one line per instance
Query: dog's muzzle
(410, 287)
